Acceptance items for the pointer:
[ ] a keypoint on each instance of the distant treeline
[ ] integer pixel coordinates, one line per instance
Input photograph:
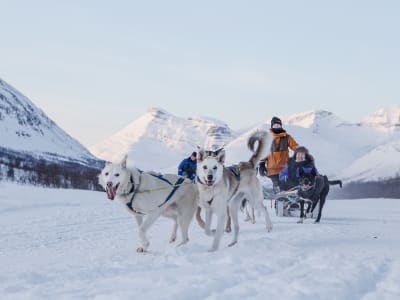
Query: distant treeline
(382, 189)
(52, 172)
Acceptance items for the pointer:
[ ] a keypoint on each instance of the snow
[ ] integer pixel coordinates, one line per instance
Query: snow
(70, 244)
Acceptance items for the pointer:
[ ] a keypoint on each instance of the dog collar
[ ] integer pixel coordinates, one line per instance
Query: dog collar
(201, 182)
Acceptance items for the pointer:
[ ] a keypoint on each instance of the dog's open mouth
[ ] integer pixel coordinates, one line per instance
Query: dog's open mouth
(306, 187)
(210, 182)
(111, 191)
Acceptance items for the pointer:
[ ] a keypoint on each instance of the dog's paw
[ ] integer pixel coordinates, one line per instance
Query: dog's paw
(232, 243)
(228, 229)
(316, 222)
(300, 221)
(140, 250)
(172, 239)
(309, 215)
(183, 243)
(269, 227)
(212, 249)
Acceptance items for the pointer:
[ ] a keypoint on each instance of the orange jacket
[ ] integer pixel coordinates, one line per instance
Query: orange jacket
(279, 155)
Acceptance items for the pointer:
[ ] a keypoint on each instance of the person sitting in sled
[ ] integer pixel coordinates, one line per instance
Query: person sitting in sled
(289, 175)
(187, 167)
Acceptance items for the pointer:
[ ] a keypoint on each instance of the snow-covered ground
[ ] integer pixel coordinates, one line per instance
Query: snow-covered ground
(68, 244)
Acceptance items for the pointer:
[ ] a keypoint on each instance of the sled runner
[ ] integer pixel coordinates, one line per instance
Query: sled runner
(287, 203)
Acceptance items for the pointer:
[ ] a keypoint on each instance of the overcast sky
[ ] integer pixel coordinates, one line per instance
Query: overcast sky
(95, 66)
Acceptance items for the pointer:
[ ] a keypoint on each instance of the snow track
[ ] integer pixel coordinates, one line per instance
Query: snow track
(66, 244)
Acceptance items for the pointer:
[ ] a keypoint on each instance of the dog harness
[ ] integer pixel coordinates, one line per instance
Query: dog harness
(235, 170)
(134, 190)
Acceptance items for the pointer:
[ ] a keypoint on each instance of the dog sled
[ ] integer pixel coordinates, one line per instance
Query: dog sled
(287, 203)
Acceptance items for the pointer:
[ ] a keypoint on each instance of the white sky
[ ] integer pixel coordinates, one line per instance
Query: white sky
(95, 66)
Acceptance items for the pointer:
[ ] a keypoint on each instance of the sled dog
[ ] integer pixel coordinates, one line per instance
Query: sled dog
(219, 188)
(315, 188)
(147, 195)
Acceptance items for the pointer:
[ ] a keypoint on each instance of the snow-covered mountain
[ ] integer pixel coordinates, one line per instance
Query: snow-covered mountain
(26, 128)
(381, 163)
(335, 143)
(35, 150)
(386, 120)
(159, 140)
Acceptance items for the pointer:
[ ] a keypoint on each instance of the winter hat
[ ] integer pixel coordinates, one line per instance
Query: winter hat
(276, 120)
(301, 149)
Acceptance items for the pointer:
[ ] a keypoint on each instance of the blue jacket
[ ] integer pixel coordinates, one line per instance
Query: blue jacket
(188, 168)
(290, 174)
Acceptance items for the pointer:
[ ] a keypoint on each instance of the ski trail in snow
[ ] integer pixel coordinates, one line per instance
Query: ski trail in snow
(78, 245)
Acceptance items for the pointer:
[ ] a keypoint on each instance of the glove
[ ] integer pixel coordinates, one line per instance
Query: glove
(284, 178)
(262, 170)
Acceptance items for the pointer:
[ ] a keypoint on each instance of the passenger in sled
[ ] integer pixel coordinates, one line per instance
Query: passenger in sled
(286, 201)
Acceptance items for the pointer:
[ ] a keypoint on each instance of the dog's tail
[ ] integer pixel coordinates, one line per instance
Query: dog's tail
(262, 137)
(333, 182)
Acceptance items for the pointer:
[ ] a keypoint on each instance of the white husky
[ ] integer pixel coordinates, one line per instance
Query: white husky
(219, 187)
(148, 195)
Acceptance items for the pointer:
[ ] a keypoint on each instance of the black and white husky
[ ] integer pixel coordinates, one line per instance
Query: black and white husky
(219, 187)
(148, 195)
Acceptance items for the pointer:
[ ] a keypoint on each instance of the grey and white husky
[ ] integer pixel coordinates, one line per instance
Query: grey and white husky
(219, 187)
(148, 195)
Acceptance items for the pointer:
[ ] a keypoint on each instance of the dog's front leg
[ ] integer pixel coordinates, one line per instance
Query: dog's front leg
(150, 219)
(234, 208)
(221, 218)
(139, 220)
(174, 230)
(207, 227)
(301, 220)
(228, 220)
(252, 216)
(321, 205)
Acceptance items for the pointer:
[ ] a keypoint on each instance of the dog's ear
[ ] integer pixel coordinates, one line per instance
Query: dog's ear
(200, 154)
(123, 162)
(220, 155)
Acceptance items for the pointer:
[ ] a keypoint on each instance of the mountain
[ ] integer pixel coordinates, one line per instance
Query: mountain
(24, 127)
(386, 120)
(32, 141)
(382, 163)
(159, 140)
(335, 143)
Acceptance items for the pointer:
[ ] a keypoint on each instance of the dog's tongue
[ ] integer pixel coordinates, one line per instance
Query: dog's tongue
(110, 193)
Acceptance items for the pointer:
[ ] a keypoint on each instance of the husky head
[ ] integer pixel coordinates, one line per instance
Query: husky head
(210, 166)
(115, 179)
